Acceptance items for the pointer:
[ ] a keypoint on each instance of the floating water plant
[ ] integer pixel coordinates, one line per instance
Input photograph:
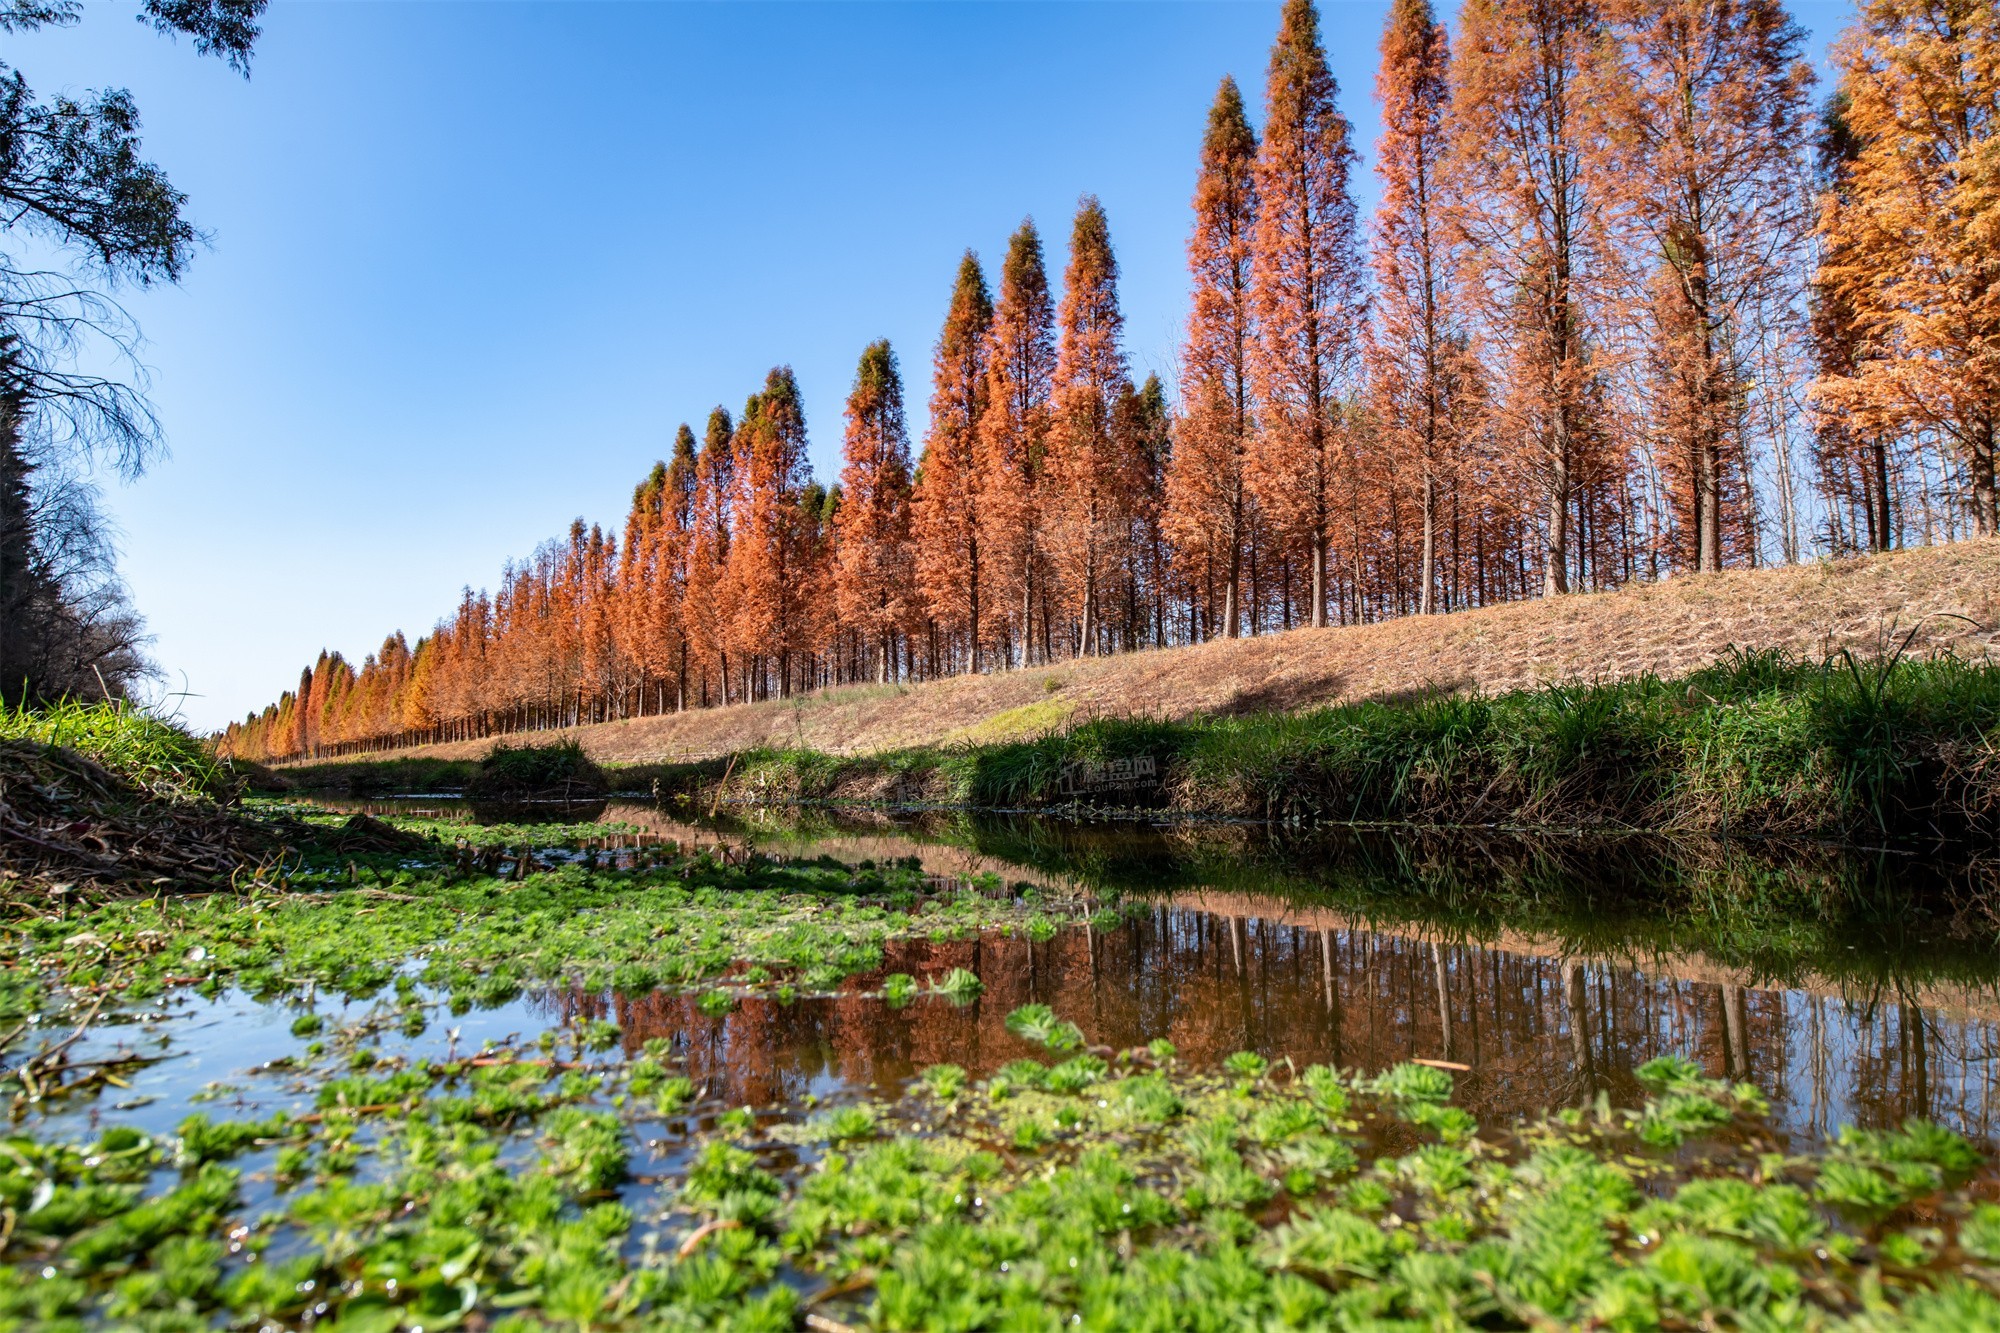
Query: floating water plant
(396, 1168)
(1130, 1192)
(959, 985)
(1038, 1023)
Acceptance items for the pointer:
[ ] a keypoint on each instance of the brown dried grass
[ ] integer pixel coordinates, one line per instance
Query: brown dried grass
(1950, 594)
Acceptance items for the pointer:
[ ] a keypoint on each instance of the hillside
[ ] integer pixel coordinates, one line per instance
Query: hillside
(1950, 594)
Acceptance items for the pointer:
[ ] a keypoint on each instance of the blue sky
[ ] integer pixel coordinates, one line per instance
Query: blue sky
(473, 262)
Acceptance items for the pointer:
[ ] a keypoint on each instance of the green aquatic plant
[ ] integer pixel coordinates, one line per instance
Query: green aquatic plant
(577, 1178)
(944, 1081)
(685, 923)
(1412, 1084)
(1038, 1023)
(1128, 1199)
(1247, 1065)
(959, 985)
(844, 1124)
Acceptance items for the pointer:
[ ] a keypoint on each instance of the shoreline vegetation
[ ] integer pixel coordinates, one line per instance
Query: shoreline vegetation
(1765, 744)
(379, 1173)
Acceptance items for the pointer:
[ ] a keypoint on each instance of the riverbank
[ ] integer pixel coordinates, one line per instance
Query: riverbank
(1762, 744)
(1949, 595)
(1759, 744)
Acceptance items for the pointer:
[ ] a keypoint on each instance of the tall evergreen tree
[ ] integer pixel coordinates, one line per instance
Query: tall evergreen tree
(1420, 367)
(1309, 298)
(1209, 513)
(1013, 431)
(81, 212)
(19, 590)
(873, 572)
(950, 485)
(1088, 477)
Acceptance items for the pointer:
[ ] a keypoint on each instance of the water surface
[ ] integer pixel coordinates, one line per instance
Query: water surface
(1852, 988)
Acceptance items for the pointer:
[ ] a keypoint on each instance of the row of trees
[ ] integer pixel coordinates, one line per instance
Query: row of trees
(1627, 307)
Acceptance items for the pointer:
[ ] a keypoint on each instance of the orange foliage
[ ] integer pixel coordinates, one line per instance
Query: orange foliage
(1309, 302)
(1086, 489)
(1013, 433)
(1530, 215)
(1913, 240)
(1210, 516)
(873, 572)
(1573, 360)
(950, 486)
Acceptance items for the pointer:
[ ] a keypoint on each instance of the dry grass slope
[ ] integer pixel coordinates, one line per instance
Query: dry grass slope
(1950, 595)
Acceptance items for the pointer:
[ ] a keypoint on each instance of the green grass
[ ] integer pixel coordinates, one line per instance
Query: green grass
(149, 752)
(1759, 743)
(517, 772)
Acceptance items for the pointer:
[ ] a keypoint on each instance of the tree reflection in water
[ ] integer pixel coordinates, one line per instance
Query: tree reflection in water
(1851, 991)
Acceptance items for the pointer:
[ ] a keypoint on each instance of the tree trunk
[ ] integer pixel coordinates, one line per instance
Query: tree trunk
(972, 626)
(1232, 613)
(1318, 616)
(1429, 571)
(1708, 504)
(1087, 641)
(1555, 570)
(15, 558)
(1985, 504)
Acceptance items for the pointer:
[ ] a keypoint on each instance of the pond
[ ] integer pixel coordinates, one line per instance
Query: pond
(777, 1069)
(1854, 988)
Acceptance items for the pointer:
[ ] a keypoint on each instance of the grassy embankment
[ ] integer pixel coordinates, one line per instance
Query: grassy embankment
(1950, 594)
(108, 794)
(152, 755)
(1760, 744)
(1824, 729)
